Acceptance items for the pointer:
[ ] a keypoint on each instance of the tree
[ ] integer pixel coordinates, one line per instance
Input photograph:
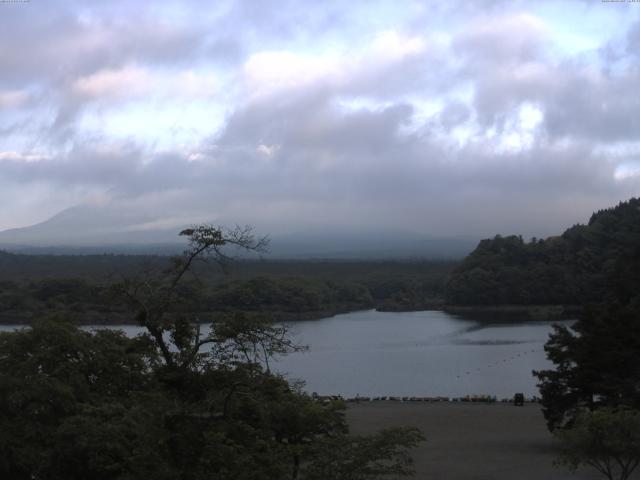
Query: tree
(175, 402)
(591, 399)
(596, 360)
(59, 386)
(164, 305)
(596, 364)
(574, 268)
(607, 440)
(364, 457)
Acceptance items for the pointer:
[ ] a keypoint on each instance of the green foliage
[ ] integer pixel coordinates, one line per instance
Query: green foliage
(572, 269)
(77, 405)
(607, 440)
(288, 294)
(287, 290)
(596, 361)
(596, 364)
(172, 403)
(53, 374)
(364, 457)
(108, 441)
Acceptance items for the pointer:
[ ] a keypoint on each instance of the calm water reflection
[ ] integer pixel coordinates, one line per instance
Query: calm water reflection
(413, 353)
(417, 353)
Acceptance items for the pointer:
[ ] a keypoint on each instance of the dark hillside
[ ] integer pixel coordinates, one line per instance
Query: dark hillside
(572, 269)
(32, 285)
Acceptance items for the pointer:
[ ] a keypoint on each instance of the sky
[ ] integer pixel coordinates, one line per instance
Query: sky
(445, 118)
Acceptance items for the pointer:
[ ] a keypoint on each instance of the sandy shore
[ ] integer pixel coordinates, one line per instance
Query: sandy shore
(472, 441)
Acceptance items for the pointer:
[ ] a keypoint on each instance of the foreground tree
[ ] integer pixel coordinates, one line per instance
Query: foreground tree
(607, 440)
(596, 360)
(166, 305)
(364, 457)
(178, 401)
(592, 399)
(75, 404)
(596, 364)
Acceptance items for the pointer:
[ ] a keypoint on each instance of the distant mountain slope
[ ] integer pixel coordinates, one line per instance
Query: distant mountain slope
(87, 226)
(574, 268)
(92, 229)
(369, 244)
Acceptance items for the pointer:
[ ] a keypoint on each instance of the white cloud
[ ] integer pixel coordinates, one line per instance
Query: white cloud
(168, 223)
(192, 84)
(269, 72)
(628, 170)
(13, 98)
(22, 156)
(357, 110)
(390, 46)
(105, 84)
(268, 150)
(134, 81)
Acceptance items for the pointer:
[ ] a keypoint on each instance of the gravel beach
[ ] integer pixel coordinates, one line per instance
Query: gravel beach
(472, 440)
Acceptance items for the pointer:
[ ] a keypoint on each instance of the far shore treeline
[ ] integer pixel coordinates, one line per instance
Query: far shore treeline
(505, 275)
(575, 268)
(31, 285)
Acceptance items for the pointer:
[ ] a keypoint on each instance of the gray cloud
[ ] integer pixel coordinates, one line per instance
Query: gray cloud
(600, 106)
(633, 39)
(47, 45)
(353, 145)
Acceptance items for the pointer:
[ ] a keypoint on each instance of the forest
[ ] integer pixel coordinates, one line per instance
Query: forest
(79, 404)
(31, 285)
(574, 268)
(569, 270)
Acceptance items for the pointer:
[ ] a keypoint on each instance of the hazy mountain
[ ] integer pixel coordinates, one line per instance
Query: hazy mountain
(91, 226)
(99, 229)
(369, 244)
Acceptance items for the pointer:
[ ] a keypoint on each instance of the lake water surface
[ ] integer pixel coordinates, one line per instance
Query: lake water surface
(427, 353)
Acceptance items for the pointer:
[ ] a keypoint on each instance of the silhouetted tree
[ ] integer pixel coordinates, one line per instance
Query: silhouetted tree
(596, 360)
(175, 402)
(607, 440)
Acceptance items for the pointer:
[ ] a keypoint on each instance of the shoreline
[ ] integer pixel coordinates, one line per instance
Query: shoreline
(114, 319)
(509, 312)
(493, 313)
(470, 398)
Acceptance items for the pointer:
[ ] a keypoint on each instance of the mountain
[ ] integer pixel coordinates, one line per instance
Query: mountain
(100, 229)
(90, 226)
(369, 244)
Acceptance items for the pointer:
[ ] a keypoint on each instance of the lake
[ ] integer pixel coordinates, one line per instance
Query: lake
(429, 353)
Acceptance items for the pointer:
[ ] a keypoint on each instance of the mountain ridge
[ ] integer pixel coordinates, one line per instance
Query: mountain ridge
(96, 230)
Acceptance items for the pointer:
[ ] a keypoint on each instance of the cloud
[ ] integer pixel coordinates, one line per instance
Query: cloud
(460, 118)
(107, 84)
(366, 70)
(482, 41)
(12, 98)
(132, 81)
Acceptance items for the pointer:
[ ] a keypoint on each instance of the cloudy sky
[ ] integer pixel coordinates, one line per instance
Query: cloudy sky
(456, 117)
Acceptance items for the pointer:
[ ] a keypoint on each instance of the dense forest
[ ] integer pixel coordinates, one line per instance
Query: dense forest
(569, 270)
(574, 268)
(172, 402)
(32, 285)
(596, 358)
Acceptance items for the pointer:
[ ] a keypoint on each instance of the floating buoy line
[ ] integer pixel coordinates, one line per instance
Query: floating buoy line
(501, 362)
